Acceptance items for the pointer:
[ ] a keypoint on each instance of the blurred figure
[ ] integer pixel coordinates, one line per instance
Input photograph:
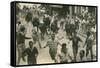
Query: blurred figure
(35, 37)
(54, 26)
(36, 22)
(43, 30)
(82, 53)
(64, 56)
(62, 23)
(89, 43)
(47, 21)
(21, 42)
(67, 27)
(18, 25)
(75, 41)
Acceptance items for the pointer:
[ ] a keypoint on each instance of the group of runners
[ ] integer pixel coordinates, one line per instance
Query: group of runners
(56, 32)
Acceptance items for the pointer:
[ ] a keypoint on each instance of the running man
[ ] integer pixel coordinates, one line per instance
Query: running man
(89, 43)
(75, 41)
(53, 44)
(21, 42)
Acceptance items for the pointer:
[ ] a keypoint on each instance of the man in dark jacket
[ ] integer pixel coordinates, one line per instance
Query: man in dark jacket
(31, 54)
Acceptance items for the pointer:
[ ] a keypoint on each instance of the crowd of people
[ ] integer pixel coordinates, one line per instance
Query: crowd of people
(55, 31)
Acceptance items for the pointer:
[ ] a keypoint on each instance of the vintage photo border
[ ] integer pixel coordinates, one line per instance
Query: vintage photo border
(13, 33)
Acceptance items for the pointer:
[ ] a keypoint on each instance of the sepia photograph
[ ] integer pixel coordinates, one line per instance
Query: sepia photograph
(55, 33)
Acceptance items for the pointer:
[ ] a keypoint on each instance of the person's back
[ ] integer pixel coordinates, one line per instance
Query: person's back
(35, 21)
(46, 21)
(43, 28)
